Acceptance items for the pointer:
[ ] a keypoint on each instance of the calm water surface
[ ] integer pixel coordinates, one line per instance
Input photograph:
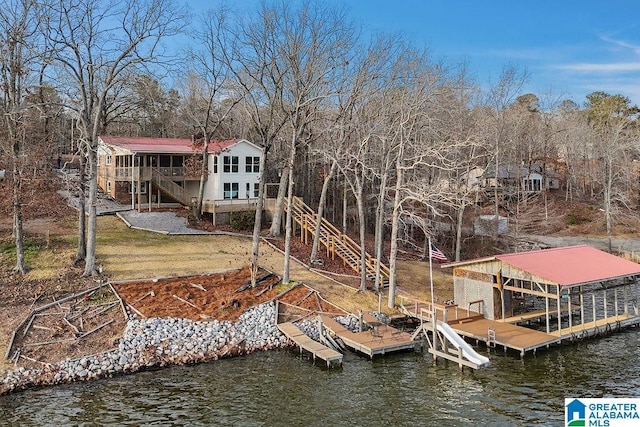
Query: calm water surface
(279, 388)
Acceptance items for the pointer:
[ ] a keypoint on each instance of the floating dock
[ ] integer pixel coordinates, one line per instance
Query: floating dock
(303, 341)
(380, 339)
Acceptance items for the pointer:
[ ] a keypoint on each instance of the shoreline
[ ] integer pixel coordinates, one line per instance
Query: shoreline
(156, 343)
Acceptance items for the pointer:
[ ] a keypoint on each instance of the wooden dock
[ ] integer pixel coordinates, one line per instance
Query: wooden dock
(305, 343)
(505, 334)
(473, 325)
(601, 325)
(380, 339)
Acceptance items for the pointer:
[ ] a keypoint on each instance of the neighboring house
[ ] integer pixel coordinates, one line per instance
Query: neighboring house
(150, 172)
(530, 179)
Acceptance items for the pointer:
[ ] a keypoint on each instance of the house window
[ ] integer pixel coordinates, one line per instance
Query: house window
(143, 187)
(256, 189)
(248, 191)
(108, 186)
(215, 164)
(230, 190)
(252, 164)
(230, 164)
(108, 160)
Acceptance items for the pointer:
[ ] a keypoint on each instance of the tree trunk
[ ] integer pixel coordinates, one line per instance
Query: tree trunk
(81, 253)
(344, 209)
(257, 226)
(276, 223)
(379, 228)
(288, 220)
(395, 220)
(363, 249)
(204, 172)
(608, 185)
(90, 260)
(458, 230)
(323, 197)
(18, 232)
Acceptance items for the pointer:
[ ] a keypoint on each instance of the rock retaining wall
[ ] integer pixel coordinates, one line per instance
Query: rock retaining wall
(159, 342)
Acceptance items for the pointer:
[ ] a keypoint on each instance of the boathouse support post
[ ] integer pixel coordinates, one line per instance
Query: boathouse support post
(581, 307)
(546, 307)
(569, 310)
(593, 305)
(559, 306)
(604, 303)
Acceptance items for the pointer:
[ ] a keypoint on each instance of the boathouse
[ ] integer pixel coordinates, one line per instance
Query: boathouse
(568, 292)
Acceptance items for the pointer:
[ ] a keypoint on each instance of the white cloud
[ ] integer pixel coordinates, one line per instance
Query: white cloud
(621, 43)
(616, 67)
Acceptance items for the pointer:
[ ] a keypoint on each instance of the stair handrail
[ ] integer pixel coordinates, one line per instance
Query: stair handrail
(340, 239)
(165, 183)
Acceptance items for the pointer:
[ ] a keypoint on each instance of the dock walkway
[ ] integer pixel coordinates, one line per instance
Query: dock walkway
(315, 348)
(380, 339)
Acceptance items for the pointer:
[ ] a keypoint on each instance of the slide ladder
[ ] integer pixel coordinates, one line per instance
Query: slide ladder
(335, 242)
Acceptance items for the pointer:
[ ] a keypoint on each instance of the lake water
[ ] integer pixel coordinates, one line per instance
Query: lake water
(279, 388)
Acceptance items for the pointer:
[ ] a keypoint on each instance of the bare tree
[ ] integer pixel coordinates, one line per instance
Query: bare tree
(211, 93)
(612, 117)
(97, 45)
(19, 60)
(498, 98)
(426, 155)
(253, 57)
(313, 43)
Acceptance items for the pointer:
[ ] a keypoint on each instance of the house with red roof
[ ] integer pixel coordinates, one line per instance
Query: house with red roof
(156, 172)
(567, 292)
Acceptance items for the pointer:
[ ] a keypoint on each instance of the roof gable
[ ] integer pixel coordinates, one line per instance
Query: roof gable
(571, 265)
(220, 146)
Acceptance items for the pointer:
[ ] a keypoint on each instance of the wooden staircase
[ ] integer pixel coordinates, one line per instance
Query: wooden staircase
(335, 242)
(170, 188)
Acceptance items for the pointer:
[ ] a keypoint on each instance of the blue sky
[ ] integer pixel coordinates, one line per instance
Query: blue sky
(569, 48)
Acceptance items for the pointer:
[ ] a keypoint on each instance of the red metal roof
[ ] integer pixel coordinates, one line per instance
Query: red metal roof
(571, 265)
(164, 145)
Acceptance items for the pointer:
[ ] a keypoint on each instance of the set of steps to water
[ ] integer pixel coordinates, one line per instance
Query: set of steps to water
(335, 242)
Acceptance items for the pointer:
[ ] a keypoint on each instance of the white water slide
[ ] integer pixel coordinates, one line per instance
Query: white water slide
(467, 351)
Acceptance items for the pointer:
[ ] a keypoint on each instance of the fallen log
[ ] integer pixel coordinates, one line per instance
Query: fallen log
(37, 344)
(44, 328)
(74, 327)
(199, 286)
(150, 293)
(187, 302)
(26, 329)
(247, 284)
(138, 312)
(97, 328)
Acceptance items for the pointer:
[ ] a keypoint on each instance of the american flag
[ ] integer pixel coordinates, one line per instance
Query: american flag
(437, 254)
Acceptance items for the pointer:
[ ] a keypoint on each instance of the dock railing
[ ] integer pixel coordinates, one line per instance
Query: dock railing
(480, 306)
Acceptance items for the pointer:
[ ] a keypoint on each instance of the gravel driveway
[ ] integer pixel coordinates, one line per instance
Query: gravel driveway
(159, 222)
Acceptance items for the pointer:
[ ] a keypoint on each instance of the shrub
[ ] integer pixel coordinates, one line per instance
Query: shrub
(242, 221)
